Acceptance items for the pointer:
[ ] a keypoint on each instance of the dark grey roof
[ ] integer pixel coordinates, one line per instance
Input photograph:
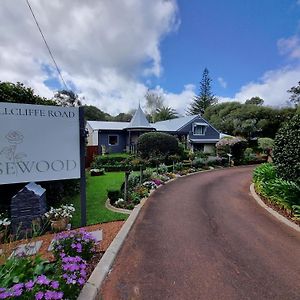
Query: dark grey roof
(174, 124)
(139, 120)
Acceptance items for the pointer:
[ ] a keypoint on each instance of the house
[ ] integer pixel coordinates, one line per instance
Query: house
(115, 137)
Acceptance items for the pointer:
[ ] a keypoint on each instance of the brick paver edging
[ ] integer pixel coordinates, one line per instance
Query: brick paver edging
(271, 211)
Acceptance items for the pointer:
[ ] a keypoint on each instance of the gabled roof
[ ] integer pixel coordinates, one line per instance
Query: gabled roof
(139, 120)
(105, 125)
(174, 124)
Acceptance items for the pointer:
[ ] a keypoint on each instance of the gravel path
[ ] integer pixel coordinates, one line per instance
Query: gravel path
(204, 237)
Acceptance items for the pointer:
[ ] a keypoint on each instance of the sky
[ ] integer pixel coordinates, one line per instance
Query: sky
(112, 51)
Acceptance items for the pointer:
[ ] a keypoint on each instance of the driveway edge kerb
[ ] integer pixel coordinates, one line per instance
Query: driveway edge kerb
(271, 211)
(92, 287)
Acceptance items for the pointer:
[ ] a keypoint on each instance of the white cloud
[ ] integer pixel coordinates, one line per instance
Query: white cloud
(102, 47)
(179, 101)
(222, 82)
(272, 87)
(290, 46)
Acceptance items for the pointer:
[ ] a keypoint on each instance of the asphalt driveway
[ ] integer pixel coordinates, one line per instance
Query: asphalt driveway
(204, 237)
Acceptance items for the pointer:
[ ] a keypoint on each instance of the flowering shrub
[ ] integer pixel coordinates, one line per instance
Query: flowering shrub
(150, 185)
(4, 222)
(73, 273)
(157, 182)
(70, 278)
(74, 243)
(63, 212)
(40, 288)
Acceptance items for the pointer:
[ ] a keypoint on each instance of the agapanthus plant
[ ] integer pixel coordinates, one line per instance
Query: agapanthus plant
(75, 243)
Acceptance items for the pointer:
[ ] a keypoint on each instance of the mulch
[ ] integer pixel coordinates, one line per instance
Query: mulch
(109, 230)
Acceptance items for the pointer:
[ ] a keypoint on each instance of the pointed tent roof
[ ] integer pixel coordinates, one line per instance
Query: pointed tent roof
(139, 120)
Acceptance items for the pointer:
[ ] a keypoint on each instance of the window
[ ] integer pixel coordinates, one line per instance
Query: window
(113, 140)
(199, 129)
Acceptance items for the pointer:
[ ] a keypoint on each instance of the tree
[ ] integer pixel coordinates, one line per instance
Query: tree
(92, 113)
(286, 151)
(19, 93)
(255, 101)
(67, 98)
(249, 121)
(295, 97)
(123, 117)
(265, 144)
(154, 101)
(205, 98)
(165, 113)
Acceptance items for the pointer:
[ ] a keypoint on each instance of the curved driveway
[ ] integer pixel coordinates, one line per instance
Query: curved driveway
(204, 237)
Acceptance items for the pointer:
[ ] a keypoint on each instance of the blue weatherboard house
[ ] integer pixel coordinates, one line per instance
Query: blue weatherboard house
(116, 137)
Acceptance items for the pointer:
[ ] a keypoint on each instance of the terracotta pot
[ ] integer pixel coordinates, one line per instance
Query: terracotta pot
(59, 225)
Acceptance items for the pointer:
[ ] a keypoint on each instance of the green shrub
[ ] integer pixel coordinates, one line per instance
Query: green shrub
(233, 145)
(283, 192)
(19, 269)
(264, 173)
(249, 155)
(213, 161)
(153, 144)
(286, 150)
(178, 166)
(162, 169)
(113, 195)
(147, 175)
(133, 181)
(198, 162)
(265, 144)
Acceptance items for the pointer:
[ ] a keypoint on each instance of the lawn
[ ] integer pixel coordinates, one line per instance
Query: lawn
(96, 195)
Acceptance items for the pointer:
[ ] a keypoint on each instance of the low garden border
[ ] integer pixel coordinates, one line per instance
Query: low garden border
(272, 211)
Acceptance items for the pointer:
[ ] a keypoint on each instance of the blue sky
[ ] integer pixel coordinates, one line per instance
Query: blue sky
(236, 40)
(111, 52)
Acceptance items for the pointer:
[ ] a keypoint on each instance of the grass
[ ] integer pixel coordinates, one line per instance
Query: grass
(96, 195)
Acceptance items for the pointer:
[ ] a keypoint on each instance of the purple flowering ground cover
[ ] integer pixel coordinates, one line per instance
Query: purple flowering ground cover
(73, 250)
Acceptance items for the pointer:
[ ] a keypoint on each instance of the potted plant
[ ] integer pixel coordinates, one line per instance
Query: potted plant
(60, 217)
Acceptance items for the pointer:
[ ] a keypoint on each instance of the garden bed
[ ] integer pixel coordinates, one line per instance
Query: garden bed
(282, 211)
(110, 230)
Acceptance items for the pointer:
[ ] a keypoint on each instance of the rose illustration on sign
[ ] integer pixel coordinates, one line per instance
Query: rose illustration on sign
(14, 138)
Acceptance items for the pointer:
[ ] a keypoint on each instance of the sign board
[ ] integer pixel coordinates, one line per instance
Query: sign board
(38, 143)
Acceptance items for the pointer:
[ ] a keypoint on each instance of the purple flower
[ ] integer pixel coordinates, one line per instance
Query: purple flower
(39, 295)
(17, 286)
(42, 279)
(81, 281)
(54, 284)
(52, 295)
(29, 285)
(17, 293)
(5, 295)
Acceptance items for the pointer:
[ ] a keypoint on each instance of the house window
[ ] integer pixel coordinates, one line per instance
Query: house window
(113, 140)
(199, 129)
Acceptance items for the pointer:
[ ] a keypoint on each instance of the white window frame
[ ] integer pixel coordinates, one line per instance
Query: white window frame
(199, 124)
(110, 135)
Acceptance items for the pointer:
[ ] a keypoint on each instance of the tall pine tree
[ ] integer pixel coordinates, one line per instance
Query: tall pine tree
(205, 97)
